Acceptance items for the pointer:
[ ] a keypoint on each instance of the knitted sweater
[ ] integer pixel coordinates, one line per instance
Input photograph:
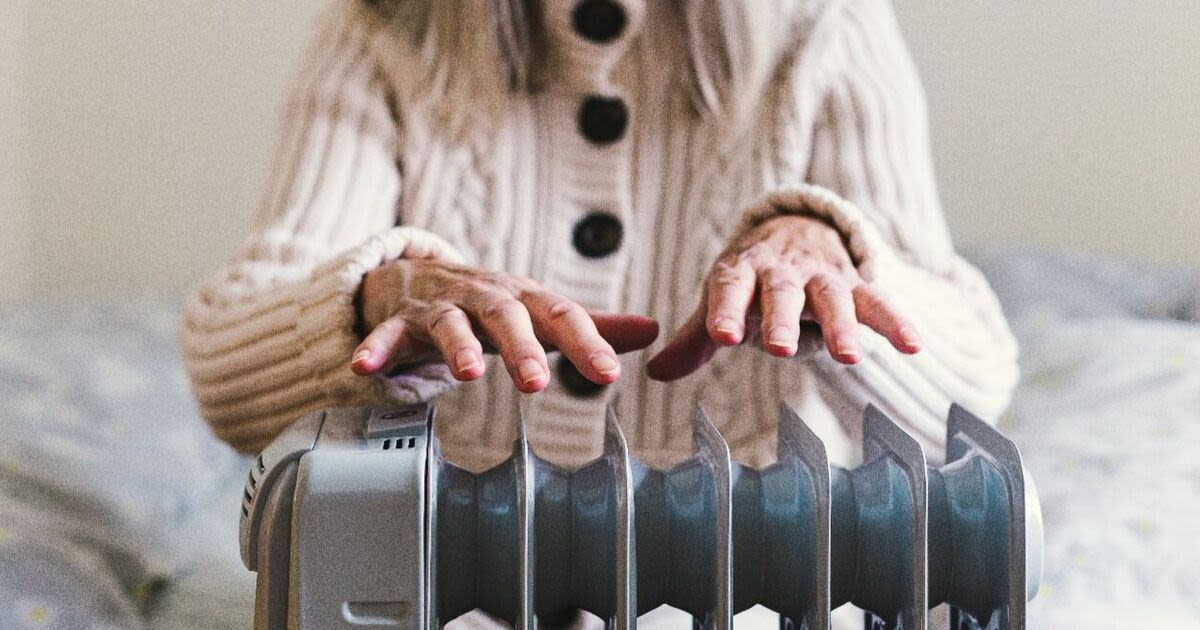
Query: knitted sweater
(360, 177)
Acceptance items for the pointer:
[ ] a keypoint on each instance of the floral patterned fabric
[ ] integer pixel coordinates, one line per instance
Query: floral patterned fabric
(119, 510)
(1108, 419)
(114, 499)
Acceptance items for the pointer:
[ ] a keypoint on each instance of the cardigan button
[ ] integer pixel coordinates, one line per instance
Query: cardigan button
(597, 235)
(575, 382)
(603, 120)
(600, 21)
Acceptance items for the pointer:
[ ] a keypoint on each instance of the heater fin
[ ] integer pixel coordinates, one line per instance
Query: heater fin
(976, 453)
(713, 453)
(885, 442)
(616, 452)
(524, 477)
(798, 442)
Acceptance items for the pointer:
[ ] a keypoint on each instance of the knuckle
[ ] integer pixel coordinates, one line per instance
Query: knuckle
(389, 325)
(725, 274)
(444, 317)
(503, 307)
(524, 349)
(846, 267)
(782, 278)
(757, 255)
(522, 284)
(828, 286)
(804, 261)
(872, 300)
(463, 288)
(824, 285)
(562, 309)
(511, 283)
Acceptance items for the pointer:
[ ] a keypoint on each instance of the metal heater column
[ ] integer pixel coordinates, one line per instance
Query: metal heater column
(985, 534)
(879, 528)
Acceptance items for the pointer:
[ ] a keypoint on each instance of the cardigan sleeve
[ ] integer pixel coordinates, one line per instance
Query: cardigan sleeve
(269, 336)
(868, 170)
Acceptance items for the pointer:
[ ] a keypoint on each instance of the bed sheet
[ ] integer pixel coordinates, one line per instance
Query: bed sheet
(115, 501)
(1107, 415)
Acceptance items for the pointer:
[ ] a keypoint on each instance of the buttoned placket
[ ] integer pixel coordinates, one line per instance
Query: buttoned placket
(588, 39)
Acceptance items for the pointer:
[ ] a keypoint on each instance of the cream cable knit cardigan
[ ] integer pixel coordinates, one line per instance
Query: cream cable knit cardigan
(361, 177)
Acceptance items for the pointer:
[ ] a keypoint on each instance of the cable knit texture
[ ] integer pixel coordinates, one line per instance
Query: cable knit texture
(361, 177)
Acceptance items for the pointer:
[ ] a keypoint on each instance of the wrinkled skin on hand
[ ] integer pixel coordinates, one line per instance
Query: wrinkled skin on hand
(418, 310)
(788, 269)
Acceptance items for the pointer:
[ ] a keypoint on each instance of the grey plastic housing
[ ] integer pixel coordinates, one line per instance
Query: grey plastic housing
(334, 521)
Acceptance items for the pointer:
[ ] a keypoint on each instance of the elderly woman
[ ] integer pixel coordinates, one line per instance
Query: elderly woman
(497, 203)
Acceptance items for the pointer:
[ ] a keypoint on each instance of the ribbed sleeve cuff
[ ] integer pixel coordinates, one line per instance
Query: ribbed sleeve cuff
(260, 356)
(863, 241)
(327, 325)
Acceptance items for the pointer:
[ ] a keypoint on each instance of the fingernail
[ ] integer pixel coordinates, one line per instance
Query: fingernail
(780, 338)
(726, 325)
(466, 360)
(910, 337)
(605, 364)
(360, 356)
(529, 370)
(848, 352)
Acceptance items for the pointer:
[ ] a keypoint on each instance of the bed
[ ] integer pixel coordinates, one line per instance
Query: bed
(118, 509)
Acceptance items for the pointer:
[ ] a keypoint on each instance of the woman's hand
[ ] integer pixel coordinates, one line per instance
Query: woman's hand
(784, 270)
(419, 310)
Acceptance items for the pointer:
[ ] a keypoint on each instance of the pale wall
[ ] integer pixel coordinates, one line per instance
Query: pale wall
(146, 128)
(1071, 124)
(14, 29)
(149, 133)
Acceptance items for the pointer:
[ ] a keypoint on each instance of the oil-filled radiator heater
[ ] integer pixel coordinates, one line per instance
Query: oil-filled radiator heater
(353, 519)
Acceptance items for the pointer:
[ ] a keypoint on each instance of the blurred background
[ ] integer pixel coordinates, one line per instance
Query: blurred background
(135, 135)
(133, 139)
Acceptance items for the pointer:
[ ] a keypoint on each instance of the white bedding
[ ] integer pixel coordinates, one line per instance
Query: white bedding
(1109, 423)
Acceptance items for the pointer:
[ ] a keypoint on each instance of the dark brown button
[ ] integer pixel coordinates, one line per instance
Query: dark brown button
(575, 382)
(597, 235)
(600, 21)
(603, 120)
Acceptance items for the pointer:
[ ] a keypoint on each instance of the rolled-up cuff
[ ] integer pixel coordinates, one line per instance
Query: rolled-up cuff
(328, 321)
(863, 241)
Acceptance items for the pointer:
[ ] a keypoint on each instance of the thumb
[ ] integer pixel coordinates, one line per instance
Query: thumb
(626, 332)
(690, 349)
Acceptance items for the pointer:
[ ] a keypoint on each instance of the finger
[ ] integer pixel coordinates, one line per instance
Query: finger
(626, 332)
(730, 289)
(450, 330)
(690, 349)
(506, 323)
(833, 307)
(568, 326)
(878, 313)
(781, 298)
(378, 347)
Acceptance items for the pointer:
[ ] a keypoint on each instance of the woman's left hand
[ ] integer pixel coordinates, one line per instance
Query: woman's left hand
(786, 269)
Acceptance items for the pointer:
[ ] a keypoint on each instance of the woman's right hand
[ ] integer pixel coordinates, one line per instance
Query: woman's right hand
(417, 310)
